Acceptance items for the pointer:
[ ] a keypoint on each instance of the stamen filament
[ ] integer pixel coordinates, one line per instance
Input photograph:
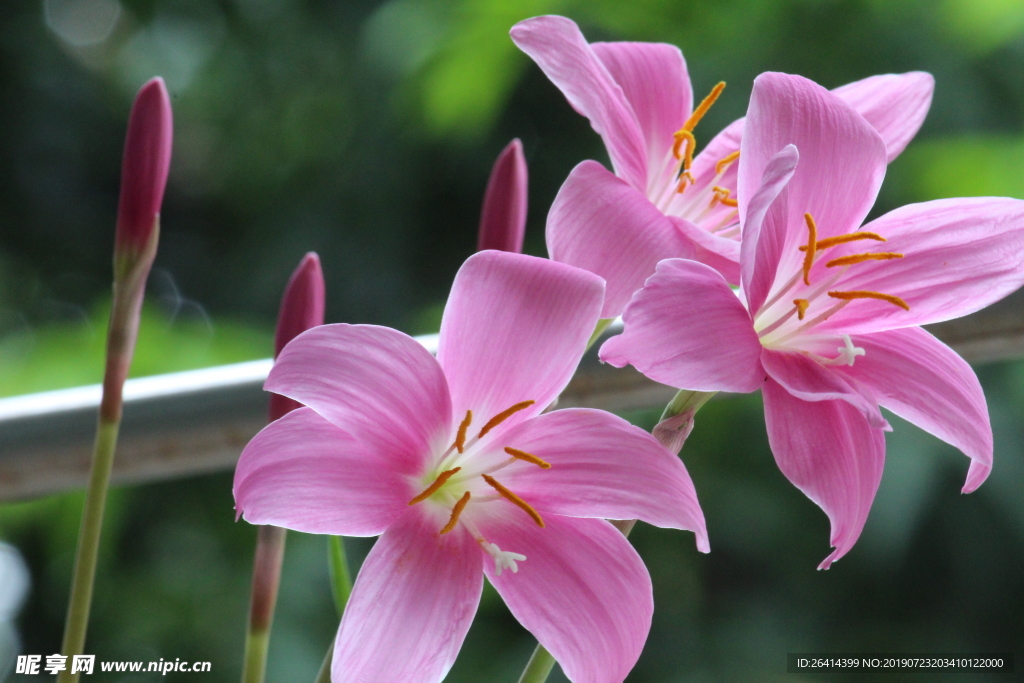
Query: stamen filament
(861, 258)
(528, 457)
(725, 162)
(456, 511)
(441, 480)
(801, 307)
(514, 499)
(812, 246)
(460, 438)
(685, 178)
(502, 416)
(849, 296)
(829, 242)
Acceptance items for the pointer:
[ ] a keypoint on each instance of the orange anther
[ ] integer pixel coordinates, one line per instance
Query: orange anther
(681, 137)
(502, 416)
(722, 195)
(849, 296)
(514, 499)
(703, 107)
(843, 239)
(801, 307)
(433, 488)
(724, 162)
(456, 511)
(861, 258)
(460, 437)
(684, 178)
(528, 457)
(812, 246)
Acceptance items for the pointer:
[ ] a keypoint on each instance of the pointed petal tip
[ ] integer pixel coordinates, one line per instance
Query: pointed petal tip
(976, 476)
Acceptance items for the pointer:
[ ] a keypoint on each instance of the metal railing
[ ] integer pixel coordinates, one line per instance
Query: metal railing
(194, 422)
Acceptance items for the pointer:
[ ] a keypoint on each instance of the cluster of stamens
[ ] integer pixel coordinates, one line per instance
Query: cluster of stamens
(773, 334)
(699, 203)
(453, 474)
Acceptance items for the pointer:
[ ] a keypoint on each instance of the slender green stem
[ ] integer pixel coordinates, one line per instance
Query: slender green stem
(686, 400)
(341, 580)
(539, 667)
(324, 676)
(599, 329)
(266, 577)
(89, 543)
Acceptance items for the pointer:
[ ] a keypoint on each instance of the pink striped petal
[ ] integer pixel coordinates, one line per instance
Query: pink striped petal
(604, 467)
(562, 53)
(303, 473)
(600, 223)
(582, 591)
(411, 605)
(894, 104)
(686, 328)
(503, 218)
(514, 330)
(922, 380)
(842, 159)
(720, 253)
(377, 384)
(809, 380)
(719, 147)
(764, 228)
(829, 452)
(960, 255)
(654, 79)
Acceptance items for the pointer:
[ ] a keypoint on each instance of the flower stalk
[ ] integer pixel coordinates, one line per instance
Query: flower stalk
(302, 308)
(147, 155)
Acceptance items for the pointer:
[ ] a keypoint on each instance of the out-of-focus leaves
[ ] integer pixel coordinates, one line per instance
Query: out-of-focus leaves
(990, 166)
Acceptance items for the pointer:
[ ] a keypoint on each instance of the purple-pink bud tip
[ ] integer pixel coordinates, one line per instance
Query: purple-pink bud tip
(147, 158)
(503, 219)
(302, 308)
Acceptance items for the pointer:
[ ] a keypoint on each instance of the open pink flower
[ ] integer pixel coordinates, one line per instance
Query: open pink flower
(453, 463)
(664, 202)
(827, 319)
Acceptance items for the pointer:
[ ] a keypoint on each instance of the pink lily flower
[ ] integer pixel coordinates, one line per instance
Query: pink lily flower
(827, 320)
(663, 201)
(503, 217)
(451, 460)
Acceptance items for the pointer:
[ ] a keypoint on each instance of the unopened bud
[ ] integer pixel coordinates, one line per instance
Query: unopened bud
(503, 219)
(302, 308)
(147, 158)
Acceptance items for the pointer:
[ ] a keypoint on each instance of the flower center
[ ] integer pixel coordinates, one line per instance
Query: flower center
(464, 476)
(788, 324)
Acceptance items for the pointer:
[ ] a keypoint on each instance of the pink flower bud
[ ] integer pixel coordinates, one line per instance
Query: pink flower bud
(503, 219)
(147, 157)
(302, 307)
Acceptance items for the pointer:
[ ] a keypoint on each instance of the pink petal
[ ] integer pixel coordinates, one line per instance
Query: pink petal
(960, 255)
(922, 380)
(582, 591)
(604, 467)
(514, 330)
(411, 605)
(686, 328)
(894, 104)
(829, 452)
(764, 228)
(809, 380)
(377, 384)
(720, 253)
(302, 307)
(719, 147)
(600, 223)
(842, 160)
(503, 218)
(562, 53)
(303, 473)
(654, 79)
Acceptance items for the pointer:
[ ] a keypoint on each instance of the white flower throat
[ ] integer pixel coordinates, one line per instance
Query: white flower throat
(463, 476)
(787, 324)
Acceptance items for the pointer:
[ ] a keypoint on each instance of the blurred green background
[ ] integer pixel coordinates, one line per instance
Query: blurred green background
(365, 131)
